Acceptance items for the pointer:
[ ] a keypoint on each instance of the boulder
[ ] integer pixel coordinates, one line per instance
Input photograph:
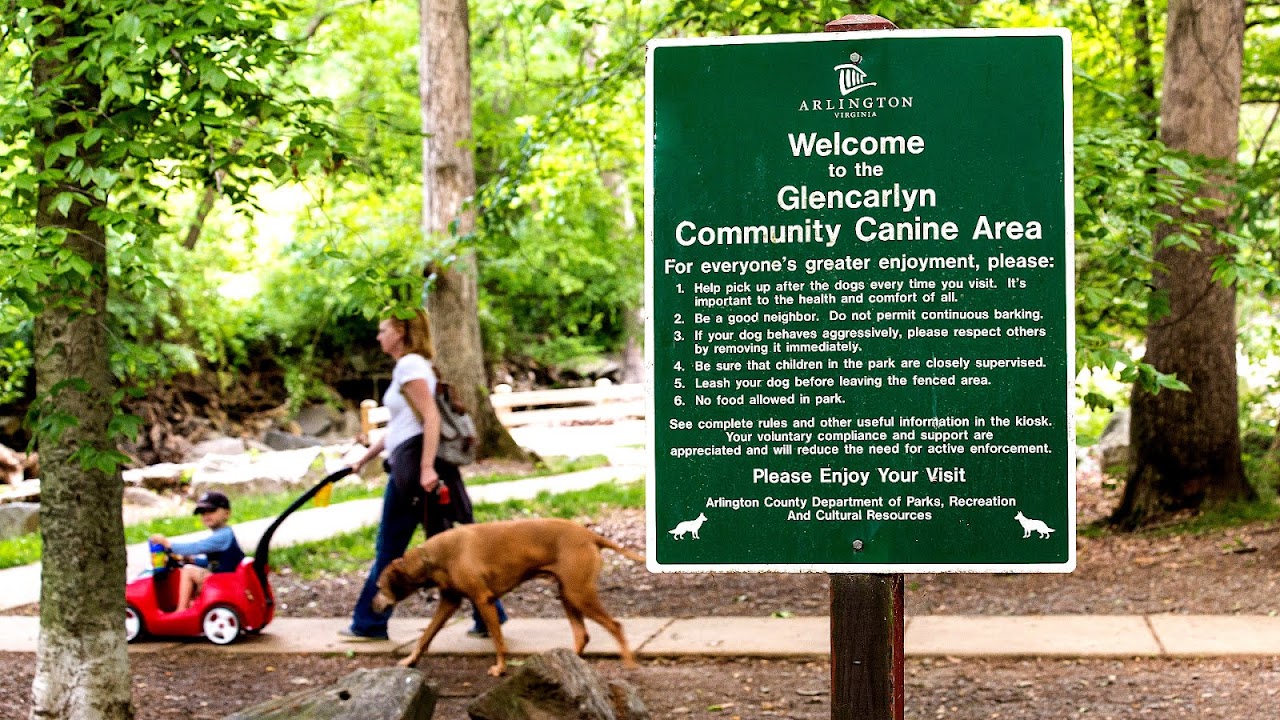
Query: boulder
(317, 420)
(258, 473)
(215, 446)
(165, 476)
(558, 684)
(280, 440)
(12, 466)
(392, 693)
(25, 491)
(19, 519)
(1113, 446)
(142, 497)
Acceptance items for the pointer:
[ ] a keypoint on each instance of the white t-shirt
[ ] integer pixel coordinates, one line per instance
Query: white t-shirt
(404, 424)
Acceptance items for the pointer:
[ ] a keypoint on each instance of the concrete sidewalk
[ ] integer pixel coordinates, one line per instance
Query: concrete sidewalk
(21, 585)
(1053, 636)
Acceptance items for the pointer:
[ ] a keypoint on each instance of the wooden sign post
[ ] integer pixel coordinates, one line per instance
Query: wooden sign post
(868, 626)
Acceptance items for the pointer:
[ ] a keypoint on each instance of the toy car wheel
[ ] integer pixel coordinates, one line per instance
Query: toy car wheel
(221, 624)
(133, 627)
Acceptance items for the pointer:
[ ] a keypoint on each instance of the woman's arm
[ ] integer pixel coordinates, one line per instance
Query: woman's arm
(419, 397)
(374, 451)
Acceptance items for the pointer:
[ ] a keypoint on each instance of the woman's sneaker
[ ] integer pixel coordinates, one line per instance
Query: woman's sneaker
(349, 635)
(480, 631)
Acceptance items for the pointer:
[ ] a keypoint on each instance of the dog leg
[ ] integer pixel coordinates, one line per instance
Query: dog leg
(588, 601)
(580, 636)
(448, 605)
(489, 614)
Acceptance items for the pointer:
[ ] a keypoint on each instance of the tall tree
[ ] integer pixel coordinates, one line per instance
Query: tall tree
(105, 108)
(1185, 446)
(448, 183)
(82, 666)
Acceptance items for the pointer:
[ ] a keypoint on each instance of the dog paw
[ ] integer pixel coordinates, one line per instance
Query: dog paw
(497, 670)
(408, 662)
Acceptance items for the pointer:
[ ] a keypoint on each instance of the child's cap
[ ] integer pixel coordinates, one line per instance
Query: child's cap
(210, 501)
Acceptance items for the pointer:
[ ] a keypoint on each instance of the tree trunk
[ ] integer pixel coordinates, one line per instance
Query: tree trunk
(82, 667)
(1185, 446)
(449, 180)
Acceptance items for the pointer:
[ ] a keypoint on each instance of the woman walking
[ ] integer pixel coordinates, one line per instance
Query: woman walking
(415, 475)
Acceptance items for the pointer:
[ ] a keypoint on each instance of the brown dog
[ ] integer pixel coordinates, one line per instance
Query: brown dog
(484, 561)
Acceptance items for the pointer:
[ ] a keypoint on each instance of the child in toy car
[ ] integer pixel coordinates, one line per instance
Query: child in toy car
(217, 553)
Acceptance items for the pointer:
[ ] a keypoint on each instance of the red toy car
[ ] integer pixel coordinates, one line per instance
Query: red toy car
(228, 605)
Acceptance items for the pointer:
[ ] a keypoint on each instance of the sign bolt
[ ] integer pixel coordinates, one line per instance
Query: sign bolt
(857, 546)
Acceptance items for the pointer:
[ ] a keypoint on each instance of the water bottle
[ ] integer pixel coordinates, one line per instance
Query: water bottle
(159, 557)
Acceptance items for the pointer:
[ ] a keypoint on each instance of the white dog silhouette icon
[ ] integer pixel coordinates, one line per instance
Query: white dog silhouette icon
(1030, 525)
(689, 526)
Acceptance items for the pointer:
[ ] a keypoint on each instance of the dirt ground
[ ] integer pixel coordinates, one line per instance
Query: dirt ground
(1229, 571)
(193, 684)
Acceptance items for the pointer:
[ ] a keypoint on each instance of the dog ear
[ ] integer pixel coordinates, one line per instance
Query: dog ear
(398, 582)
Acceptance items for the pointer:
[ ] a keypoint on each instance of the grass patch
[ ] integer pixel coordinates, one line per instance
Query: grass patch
(21, 550)
(1209, 520)
(555, 465)
(26, 549)
(352, 552)
(243, 509)
(338, 555)
(1222, 516)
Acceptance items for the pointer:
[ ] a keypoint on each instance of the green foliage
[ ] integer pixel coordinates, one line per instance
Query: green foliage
(560, 163)
(115, 105)
(759, 17)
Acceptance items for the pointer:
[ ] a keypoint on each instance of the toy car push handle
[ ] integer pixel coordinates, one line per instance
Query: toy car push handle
(260, 556)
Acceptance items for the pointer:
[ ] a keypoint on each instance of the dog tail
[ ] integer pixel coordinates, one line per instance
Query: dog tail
(605, 542)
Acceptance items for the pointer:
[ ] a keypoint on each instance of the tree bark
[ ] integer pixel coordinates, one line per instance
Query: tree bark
(1185, 446)
(449, 180)
(82, 667)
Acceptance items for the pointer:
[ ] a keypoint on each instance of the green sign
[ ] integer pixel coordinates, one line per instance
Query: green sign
(859, 286)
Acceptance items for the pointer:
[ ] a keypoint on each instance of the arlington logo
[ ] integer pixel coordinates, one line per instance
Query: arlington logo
(852, 77)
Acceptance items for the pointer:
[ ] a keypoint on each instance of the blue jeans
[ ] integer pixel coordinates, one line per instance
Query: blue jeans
(400, 518)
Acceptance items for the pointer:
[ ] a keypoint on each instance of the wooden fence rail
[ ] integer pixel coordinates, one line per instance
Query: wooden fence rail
(545, 407)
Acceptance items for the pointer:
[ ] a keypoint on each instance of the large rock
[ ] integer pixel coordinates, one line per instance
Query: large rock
(215, 446)
(281, 440)
(13, 465)
(25, 491)
(367, 694)
(1113, 445)
(257, 473)
(165, 476)
(558, 684)
(19, 519)
(10, 466)
(316, 420)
